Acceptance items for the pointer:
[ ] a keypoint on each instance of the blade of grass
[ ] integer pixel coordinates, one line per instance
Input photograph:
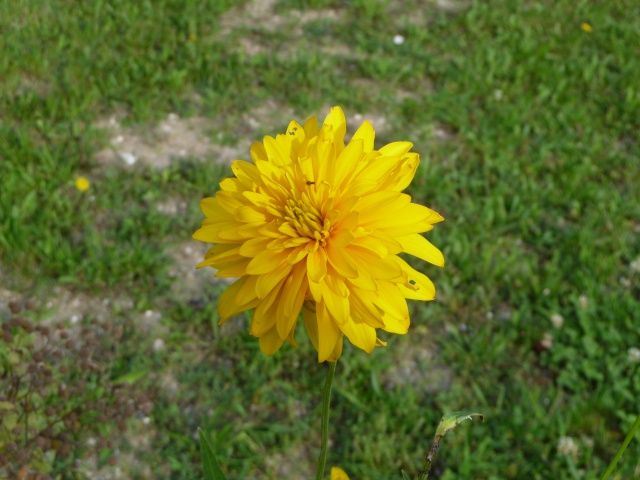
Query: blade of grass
(210, 466)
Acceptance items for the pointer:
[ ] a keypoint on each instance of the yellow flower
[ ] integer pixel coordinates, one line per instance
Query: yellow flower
(586, 27)
(317, 226)
(82, 184)
(338, 474)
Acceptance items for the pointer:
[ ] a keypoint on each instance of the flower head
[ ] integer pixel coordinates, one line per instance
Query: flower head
(338, 474)
(82, 184)
(586, 27)
(315, 226)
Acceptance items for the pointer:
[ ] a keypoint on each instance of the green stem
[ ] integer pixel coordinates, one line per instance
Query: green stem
(625, 444)
(430, 457)
(326, 400)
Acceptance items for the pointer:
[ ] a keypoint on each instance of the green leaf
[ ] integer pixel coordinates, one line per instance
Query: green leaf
(6, 406)
(10, 420)
(131, 377)
(452, 419)
(14, 357)
(210, 466)
(405, 476)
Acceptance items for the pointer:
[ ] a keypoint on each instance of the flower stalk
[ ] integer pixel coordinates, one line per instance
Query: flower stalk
(634, 429)
(326, 401)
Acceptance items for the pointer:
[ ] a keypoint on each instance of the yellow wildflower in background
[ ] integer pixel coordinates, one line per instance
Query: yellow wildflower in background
(317, 226)
(586, 27)
(82, 184)
(338, 474)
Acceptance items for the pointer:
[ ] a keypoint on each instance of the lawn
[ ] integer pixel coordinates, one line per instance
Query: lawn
(526, 116)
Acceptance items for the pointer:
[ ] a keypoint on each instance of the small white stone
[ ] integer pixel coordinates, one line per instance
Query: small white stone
(106, 301)
(158, 345)
(188, 250)
(92, 198)
(165, 128)
(172, 117)
(146, 420)
(557, 320)
(398, 39)
(118, 139)
(182, 152)
(634, 354)
(489, 315)
(546, 292)
(148, 313)
(49, 304)
(75, 318)
(92, 442)
(128, 158)
(113, 122)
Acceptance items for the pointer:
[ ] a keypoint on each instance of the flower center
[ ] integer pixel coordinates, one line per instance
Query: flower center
(307, 221)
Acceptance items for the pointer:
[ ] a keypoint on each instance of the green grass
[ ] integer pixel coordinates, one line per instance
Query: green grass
(536, 171)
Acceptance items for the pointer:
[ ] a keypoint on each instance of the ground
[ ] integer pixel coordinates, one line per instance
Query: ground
(526, 123)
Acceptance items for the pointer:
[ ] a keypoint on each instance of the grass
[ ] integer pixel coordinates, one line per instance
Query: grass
(527, 126)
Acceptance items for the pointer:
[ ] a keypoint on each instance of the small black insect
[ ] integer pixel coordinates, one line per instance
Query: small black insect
(309, 182)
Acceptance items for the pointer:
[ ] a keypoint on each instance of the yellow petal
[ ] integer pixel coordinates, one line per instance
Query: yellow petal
(269, 280)
(246, 172)
(248, 291)
(335, 297)
(338, 474)
(264, 316)
(258, 152)
(360, 334)
(209, 206)
(236, 268)
(394, 308)
(376, 267)
(396, 148)
(230, 201)
(328, 333)
(266, 261)
(294, 292)
(337, 123)
(420, 247)
(379, 206)
(422, 287)
(403, 173)
(249, 214)
(341, 261)
(276, 152)
(220, 253)
(311, 325)
(311, 127)
(227, 306)
(317, 265)
(254, 246)
(362, 308)
(367, 134)
(346, 163)
(270, 342)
